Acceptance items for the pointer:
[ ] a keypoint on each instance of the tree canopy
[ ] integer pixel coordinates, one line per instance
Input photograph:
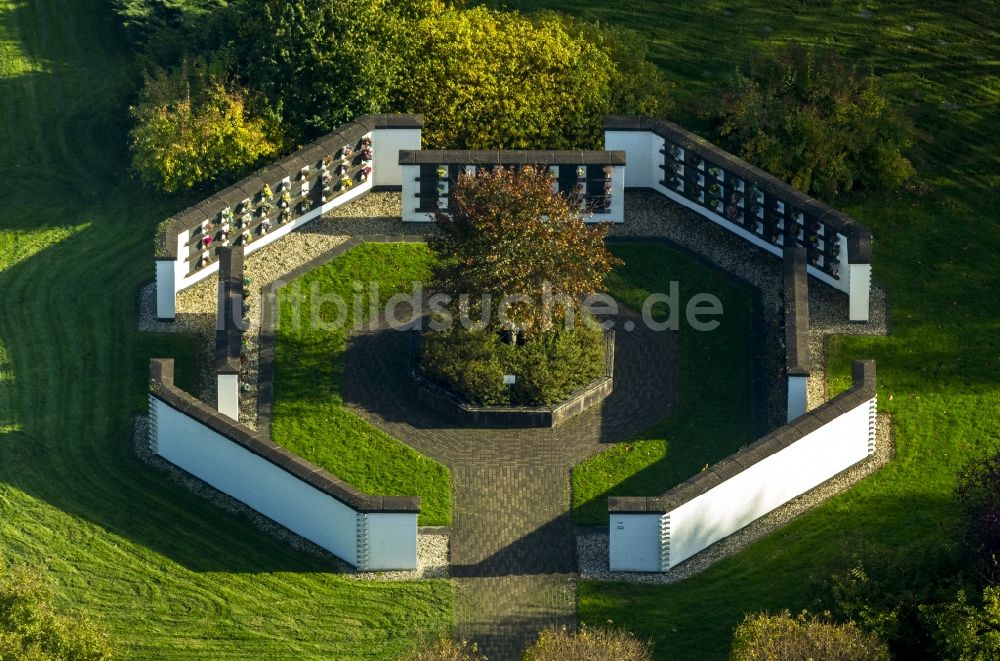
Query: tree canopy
(506, 233)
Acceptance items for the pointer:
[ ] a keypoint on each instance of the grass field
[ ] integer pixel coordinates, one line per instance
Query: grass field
(170, 575)
(935, 249)
(309, 417)
(710, 422)
(174, 577)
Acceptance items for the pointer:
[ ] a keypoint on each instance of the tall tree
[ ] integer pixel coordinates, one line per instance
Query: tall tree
(507, 233)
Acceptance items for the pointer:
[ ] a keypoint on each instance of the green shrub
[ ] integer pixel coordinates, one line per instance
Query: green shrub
(810, 119)
(446, 649)
(781, 637)
(320, 63)
(964, 630)
(548, 366)
(29, 628)
(588, 644)
(191, 128)
(978, 495)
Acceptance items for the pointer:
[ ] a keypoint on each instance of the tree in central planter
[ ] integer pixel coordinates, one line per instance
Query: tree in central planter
(517, 260)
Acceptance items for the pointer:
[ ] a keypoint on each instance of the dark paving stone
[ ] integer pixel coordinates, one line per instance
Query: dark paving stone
(512, 543)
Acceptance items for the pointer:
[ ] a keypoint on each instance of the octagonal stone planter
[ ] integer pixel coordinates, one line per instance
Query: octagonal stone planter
(448, 403)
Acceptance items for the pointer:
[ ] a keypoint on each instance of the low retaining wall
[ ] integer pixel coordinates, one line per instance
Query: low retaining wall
(597, 177)
(511, 417)
(369, 532)
(304, 186)
(796, 296)
(655, 534)
(747, 201)
(229, 329)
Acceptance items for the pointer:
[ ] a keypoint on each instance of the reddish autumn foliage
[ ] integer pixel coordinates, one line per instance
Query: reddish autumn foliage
(508, 233)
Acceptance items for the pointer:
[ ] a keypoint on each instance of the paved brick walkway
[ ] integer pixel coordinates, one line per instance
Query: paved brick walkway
(512, 543)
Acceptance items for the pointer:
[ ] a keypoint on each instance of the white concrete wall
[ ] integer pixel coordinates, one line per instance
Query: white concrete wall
(166, 286)
(642, 154)
(395, 534)
(768, 484)
(860, 281)
(635, 542)
(797, 388)
(659, 541)
(646, 160)
(279, 495)
(410, 188)
(228, 394)
(386, 144)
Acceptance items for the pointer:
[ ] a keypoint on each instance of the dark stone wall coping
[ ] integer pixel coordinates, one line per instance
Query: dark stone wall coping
(858, 235)
(229, 323)
(161, 372)
(862, 390)
(271, 174)
(796, 312)
(510, 157)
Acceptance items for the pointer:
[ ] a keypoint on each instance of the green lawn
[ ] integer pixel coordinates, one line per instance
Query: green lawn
(935, 250)
(170, 575)
(309, 416)
(713, 415)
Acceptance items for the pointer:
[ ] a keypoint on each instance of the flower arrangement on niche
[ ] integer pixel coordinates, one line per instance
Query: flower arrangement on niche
(346, 152)
(442, 172)
(834, 249)
(227, 214)
(265, 193)
(265, 225)
(733, 213)
(245, 237)
(608, 171)
(304, 173)
(286, 200)
(367, 154)
(345, 183)
(266, 208)
(342, 169)
(326, 193)
(365, 172)
(714, 189)
(206, 241)
(284, 216)
(581, 172)
(715, 172)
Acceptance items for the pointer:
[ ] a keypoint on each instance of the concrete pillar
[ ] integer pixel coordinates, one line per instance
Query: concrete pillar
(166, 289)
(229, 395)
(796, 396)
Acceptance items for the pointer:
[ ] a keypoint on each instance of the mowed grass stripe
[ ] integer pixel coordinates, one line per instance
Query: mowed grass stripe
(170, 575)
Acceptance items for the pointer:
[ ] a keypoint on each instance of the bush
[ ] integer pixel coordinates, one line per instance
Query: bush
(29, 629)
(320, 63)
(191, 128)
(978, 495)
(821, 125)
(164, 30)
(500, 80)
(963, 630)
(549, 366)
(637, 87)
(781, 637)
(588, 644)
(445, 649)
